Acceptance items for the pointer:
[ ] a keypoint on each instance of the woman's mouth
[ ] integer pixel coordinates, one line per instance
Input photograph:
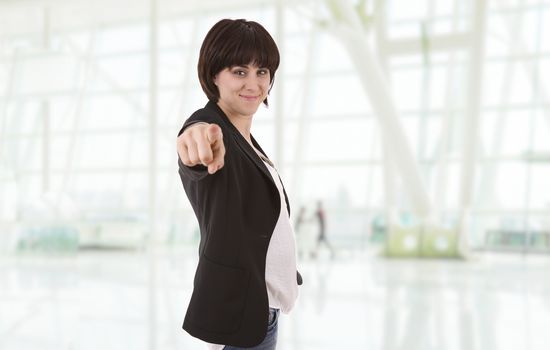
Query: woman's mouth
(249, 98)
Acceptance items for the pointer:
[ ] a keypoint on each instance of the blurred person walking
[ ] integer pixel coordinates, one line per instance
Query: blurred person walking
(306, 233)
(320, 214)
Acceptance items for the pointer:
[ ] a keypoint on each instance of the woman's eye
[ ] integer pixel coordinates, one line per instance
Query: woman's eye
(239, 72)
(262, 72)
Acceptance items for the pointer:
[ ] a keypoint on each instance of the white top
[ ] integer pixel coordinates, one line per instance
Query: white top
(280, 263)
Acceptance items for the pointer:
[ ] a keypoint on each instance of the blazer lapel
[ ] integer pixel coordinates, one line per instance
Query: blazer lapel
(243, 144)
(257, 145)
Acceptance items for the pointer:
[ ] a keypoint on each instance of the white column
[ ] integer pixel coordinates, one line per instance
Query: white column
(45, 111)
(152, 234)
(470, 130)
(279, 86)
(302, 130)
(387, 165)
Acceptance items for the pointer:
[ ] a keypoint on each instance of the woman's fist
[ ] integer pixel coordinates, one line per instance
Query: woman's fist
(202, 143)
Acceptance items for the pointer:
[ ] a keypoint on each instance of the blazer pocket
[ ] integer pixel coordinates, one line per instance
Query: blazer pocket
(218, 300)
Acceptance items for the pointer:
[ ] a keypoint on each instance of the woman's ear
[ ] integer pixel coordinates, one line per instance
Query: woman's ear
(215, 80)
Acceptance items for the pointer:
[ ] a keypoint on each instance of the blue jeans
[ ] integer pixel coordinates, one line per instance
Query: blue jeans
(270, 340)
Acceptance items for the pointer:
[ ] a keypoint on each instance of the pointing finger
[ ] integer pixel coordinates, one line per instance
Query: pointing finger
(214, 133)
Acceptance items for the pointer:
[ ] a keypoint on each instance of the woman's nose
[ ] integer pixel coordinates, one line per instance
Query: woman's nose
(252, 83)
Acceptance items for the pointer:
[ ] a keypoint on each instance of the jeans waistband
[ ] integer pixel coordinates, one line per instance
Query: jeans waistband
(272, 314)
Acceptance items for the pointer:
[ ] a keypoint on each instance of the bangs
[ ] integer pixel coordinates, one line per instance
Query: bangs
(251, 47)
(246, 43)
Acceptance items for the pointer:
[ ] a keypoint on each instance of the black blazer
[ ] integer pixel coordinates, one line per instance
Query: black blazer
(237, 209)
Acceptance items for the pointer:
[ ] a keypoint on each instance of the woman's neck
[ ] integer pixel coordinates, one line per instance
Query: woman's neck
(242, 123)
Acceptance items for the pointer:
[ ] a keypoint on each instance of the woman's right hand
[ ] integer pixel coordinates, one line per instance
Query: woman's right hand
(202, 143)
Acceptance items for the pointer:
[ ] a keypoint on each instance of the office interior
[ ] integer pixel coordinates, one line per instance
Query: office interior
(422, 127)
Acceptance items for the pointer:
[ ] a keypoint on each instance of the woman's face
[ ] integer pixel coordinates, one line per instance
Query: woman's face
(242, 89)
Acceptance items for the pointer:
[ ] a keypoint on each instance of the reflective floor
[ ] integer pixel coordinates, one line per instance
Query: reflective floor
(130, 301)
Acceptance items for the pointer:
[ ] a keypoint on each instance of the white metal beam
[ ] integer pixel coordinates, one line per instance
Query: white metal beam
(348, 28)
(489, 169)
(108, 79)
(443, 148)
(388, 169)
(76, 117)
(10, 86)
(442, 42)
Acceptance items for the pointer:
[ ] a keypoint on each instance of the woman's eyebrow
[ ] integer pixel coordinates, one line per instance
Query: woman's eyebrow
(248, 66)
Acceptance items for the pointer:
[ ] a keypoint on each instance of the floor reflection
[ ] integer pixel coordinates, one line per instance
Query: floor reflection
(118, 300)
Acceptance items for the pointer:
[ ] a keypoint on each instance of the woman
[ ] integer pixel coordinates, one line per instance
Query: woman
(246, 272)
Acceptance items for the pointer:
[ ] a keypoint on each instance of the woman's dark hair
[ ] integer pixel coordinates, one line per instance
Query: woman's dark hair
(232, 43)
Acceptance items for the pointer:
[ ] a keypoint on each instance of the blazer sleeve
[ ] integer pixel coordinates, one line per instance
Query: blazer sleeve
(199, 171)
